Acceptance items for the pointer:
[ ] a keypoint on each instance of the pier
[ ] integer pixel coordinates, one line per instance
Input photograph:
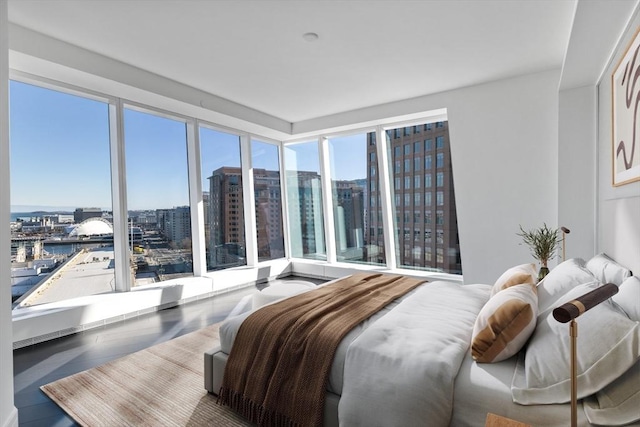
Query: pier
(50, 241)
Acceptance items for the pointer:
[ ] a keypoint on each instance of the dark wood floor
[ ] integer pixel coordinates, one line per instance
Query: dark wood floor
(43, 363)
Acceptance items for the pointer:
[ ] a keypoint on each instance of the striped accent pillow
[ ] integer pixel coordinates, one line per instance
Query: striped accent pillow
(524, 273)
(504, 324)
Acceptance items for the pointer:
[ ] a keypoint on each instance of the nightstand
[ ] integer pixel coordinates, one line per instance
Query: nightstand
(494, 420)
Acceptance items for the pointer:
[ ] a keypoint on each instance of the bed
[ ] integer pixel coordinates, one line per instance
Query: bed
(411, 364)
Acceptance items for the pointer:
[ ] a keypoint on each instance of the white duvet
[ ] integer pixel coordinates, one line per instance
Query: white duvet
(401, 370)
(398, 367)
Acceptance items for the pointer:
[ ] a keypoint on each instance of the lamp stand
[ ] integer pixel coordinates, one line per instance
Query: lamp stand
(565, 231)
(573, 332)
(568, 313)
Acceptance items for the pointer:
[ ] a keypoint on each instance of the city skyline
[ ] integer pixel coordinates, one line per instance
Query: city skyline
(61, 161)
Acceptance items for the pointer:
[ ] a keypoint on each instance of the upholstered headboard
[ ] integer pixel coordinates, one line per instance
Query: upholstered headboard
(620, 231)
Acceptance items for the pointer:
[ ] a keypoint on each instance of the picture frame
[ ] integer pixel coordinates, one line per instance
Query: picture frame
(625, 111)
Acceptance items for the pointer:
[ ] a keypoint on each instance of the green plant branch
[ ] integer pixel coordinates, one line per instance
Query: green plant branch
(542, 242)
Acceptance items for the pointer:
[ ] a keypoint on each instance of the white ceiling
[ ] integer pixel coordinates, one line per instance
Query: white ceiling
(368, 52)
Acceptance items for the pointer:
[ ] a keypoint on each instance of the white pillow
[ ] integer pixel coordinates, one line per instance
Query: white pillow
(628, 297)
(608, 345)
(524, 273)
(561, 280)
(504, 324)
(607, 270)
(618, 403)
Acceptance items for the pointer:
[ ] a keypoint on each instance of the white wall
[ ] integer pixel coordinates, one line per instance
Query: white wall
(577, 169)
(504, 140)
(601, 218)
(8, 412)
(618, 207)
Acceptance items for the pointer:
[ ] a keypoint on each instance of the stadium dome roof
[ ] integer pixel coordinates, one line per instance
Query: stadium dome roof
(92, 227)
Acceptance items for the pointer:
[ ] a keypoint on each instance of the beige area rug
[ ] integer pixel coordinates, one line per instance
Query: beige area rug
(159, 386)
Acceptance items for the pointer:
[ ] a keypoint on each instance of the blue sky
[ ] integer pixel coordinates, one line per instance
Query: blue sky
(60, 156)
(348, 157)
(217, 149)
(347, 154)
(302, 157)
(156, 158)
(59, 149)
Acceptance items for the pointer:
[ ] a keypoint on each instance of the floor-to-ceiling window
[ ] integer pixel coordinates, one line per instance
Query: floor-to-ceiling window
(223, 199)
(61, 159)
(356, 197)
(265, 160)
(62, 212)
(304, 197)
(157, 197)
(60, 195)
(425, 212)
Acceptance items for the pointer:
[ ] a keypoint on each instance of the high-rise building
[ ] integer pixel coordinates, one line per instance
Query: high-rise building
(225, 218)
(80, 214)
(349, 216)
(205, 204)
(268, 201)
(424, 198)
(175, 224)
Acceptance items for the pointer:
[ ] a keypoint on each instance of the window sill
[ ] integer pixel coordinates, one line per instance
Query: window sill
(44, 322)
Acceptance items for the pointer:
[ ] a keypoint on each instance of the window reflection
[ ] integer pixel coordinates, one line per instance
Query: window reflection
(268, 200)
(304, 194)
(223, 199)
(356, 239)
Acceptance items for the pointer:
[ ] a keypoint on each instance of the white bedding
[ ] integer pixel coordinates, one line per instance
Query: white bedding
(432, 324)
(482, 385)
(229, 329)
(401, 370)
(410, 364)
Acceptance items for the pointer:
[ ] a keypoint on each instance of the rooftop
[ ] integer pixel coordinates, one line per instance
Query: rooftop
(89, 272)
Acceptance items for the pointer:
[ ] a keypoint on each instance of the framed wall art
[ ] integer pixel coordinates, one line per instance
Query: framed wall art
(625, 89)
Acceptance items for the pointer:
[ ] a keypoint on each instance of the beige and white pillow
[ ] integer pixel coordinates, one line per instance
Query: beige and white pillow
(504, 324)
(523, 273)
(607, 348)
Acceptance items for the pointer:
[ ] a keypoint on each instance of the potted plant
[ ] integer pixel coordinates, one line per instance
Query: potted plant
(543, 243)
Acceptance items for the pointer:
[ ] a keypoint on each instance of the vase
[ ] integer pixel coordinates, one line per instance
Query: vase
(542, 273)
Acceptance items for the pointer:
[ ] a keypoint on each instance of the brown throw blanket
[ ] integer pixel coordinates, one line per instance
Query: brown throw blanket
(278, 369)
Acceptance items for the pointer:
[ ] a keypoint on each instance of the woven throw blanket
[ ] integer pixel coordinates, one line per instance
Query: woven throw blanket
(277, 372)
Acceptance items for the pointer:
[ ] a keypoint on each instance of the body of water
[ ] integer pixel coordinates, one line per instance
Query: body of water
(40, 214)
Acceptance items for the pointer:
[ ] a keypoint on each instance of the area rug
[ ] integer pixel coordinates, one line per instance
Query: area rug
(162, 385)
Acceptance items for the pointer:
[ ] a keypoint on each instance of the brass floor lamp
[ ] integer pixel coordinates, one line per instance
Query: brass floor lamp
(565, 231)
(568, 312)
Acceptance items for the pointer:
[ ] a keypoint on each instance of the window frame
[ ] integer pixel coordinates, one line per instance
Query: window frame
(193, 124)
